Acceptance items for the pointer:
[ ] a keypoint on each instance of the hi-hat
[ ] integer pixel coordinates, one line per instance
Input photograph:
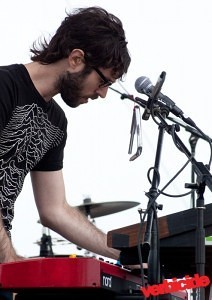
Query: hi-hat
(95, 210)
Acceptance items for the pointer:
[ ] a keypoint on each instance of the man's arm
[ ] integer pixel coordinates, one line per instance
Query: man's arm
(56, 214)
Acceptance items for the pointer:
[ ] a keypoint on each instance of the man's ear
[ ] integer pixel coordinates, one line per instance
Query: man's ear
(76, 58)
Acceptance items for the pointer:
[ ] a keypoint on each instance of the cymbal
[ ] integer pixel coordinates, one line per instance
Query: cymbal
(95, 210)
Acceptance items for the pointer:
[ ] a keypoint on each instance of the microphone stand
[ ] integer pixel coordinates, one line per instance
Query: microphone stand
(151, 237)
(204, 178)
(200, 233)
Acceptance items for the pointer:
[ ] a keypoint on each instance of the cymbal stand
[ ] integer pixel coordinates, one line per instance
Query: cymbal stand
(87, 253)
(46, 244)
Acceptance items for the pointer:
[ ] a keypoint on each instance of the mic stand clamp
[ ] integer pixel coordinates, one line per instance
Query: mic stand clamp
(193, 142)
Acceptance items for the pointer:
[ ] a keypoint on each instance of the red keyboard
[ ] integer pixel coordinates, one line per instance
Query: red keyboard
(54, 278)
(66, 273)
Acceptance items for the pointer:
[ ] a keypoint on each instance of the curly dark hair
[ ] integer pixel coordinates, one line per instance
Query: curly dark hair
(98, 33)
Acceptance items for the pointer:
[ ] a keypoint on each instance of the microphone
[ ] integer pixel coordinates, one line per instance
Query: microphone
(144, 86)
(154, 94)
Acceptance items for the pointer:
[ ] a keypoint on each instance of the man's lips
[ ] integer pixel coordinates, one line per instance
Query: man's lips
(86, 99)
(83, 100)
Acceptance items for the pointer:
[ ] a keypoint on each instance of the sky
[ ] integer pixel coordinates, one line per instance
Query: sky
(166, 35)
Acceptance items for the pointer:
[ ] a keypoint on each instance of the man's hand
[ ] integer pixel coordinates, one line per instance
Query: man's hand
(7, 252)
(11, 257)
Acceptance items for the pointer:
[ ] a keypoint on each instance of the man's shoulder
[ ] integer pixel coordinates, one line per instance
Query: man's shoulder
(7, 69)
(10, 72)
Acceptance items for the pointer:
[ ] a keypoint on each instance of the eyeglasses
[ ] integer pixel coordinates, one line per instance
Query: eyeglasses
(106, 82)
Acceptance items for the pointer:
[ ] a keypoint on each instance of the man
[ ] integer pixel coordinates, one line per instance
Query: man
(85, 56)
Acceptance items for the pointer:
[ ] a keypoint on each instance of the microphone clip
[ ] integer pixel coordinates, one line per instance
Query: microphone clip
(135, 129)
(153, 97)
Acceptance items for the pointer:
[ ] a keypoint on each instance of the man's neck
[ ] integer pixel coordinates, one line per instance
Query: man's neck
(44, 77)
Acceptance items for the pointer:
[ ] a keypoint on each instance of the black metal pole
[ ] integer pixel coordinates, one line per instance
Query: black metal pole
(200, 238)
(151, 239)
(193, 142)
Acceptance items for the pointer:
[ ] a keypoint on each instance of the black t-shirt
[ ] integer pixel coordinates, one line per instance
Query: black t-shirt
(33, 134)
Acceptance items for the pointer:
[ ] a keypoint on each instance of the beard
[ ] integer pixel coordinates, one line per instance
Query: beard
(70, 86)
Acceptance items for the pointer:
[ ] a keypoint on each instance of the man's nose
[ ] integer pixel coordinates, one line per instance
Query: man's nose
(102, 92)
